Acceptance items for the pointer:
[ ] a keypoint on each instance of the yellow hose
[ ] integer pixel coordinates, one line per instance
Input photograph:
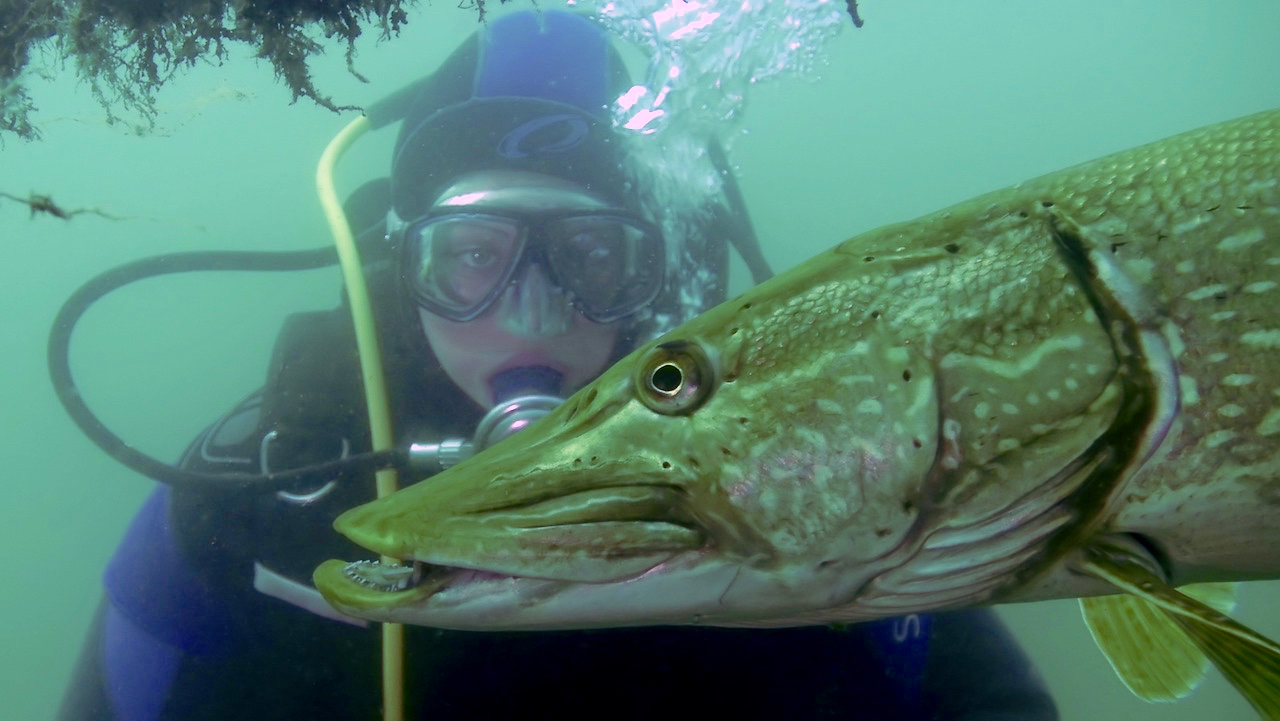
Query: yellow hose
(375, 383)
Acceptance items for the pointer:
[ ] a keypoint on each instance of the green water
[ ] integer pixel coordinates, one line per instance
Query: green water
(930, 103)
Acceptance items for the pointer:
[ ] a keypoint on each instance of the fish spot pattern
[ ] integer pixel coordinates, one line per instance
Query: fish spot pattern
(1211, 231)
(836, 424)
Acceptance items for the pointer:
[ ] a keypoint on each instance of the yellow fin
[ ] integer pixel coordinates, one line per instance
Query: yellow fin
(1221, 597)
(1251, 662)
(1150, 654)
(1154, 658)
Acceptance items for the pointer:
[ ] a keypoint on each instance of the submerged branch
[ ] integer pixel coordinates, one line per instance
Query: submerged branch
(125, 50)
(43, 204)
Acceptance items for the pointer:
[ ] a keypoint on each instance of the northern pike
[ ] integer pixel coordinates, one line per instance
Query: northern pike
(1067, 388)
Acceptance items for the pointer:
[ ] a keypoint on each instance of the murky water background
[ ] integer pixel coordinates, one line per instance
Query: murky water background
(929, 104)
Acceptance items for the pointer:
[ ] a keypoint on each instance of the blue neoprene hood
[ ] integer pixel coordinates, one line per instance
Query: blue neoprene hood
(530, 91)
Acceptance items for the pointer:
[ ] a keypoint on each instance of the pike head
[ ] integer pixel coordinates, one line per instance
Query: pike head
(711, 475)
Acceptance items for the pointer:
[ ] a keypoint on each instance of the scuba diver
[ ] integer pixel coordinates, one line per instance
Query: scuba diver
(510, 260)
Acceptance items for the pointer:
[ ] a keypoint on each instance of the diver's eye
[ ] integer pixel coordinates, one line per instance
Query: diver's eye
(675, 378)
(477, 258)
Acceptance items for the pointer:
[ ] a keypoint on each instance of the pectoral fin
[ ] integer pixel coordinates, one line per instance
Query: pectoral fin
(1152, 656)
(1160, 640)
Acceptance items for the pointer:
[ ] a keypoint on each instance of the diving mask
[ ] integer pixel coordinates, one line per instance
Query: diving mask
(458, 262)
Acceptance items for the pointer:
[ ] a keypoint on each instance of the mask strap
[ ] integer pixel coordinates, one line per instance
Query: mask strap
(745, 240)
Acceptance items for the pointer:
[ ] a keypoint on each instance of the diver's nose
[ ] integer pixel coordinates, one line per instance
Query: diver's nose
(534, 307)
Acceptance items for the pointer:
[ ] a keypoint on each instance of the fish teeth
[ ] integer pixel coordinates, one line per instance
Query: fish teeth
(384, 576)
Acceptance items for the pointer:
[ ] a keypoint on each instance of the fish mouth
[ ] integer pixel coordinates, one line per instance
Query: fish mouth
(363, 584)
(358, 587)
(602, 535)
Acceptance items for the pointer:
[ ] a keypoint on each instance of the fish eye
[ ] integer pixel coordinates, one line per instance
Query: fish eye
(675, 378)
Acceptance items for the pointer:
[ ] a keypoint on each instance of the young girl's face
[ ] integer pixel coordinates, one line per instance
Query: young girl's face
(533, 323)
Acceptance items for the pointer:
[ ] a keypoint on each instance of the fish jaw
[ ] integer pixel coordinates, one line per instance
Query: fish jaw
(691, 588)
(554, 508)
(745, 493)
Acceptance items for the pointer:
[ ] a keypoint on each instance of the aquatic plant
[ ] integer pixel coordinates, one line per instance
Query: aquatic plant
(125, 50)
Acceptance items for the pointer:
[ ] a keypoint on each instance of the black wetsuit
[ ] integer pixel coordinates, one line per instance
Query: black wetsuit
(184, 634)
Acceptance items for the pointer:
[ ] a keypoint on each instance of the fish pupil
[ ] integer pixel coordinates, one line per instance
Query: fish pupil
(667, 379)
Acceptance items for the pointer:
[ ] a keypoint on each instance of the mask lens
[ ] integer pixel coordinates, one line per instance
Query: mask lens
(459, 263)
(611, 264)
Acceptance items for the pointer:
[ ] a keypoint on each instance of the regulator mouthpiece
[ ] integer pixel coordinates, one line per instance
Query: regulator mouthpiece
(529, 393)
(526, 381)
